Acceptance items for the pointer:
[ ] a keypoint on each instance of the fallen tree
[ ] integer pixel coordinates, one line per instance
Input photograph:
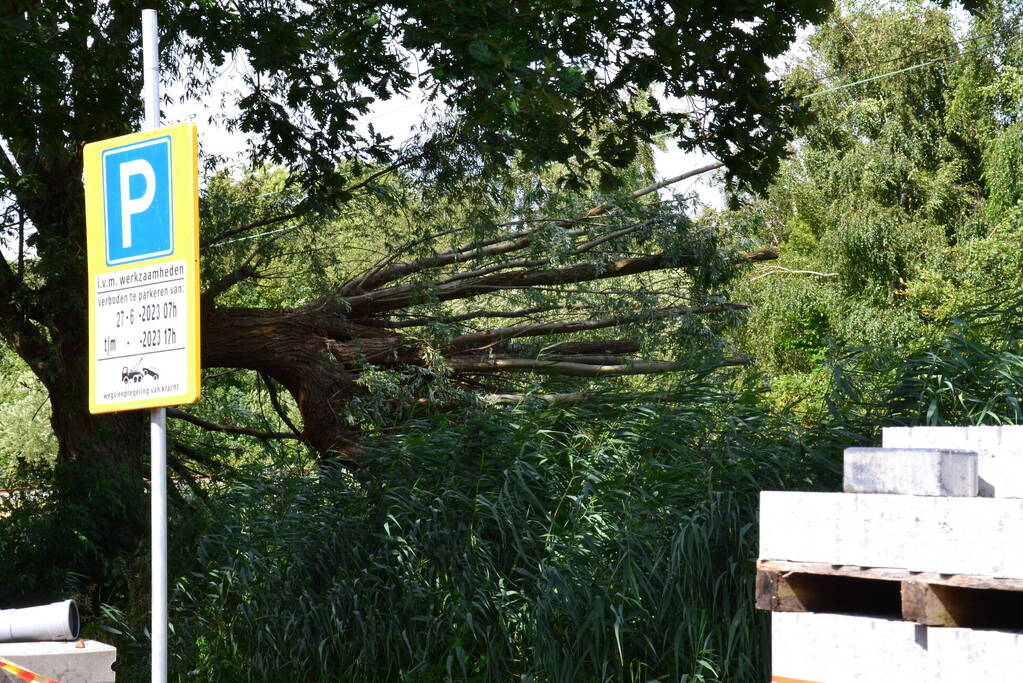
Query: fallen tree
(377, 318)
(522, 87)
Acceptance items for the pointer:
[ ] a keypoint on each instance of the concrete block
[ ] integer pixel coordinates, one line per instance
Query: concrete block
(835, 648)
(962, 654)
(62, 661)
(912, 471)
(999, 450)
(978, 536)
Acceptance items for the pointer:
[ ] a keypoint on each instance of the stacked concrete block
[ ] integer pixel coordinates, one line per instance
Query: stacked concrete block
(999, 451)
(914, 573)
(981, 536)
(838, 648)
(914, 471)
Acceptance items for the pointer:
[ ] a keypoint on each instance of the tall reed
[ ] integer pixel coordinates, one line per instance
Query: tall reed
(596, 543)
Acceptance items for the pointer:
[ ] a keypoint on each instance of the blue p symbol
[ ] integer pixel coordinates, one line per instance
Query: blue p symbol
(137, 201)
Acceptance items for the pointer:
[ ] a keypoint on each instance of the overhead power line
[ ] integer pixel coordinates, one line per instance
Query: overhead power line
(941, 47)
(874, 78)
(259, 234)
(897, 71)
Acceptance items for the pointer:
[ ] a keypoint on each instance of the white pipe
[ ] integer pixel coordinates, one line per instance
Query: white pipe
(157, 416)
(56, 621)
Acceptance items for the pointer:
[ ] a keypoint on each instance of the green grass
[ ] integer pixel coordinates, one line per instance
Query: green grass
(606, 543)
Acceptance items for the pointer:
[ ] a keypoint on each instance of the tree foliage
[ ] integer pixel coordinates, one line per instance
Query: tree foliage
(522, 86)
(26, 440)
(351, 284)
(587, 543)
(899, 208)
(531, 79)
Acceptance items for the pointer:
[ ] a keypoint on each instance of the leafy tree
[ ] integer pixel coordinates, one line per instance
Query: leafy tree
(898, 208)
(525, 85)
(25, 436)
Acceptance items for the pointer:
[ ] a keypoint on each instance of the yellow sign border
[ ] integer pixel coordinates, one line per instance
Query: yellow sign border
(185, 203)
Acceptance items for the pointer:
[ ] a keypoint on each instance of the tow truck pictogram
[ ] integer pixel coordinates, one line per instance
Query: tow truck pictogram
(137, 372)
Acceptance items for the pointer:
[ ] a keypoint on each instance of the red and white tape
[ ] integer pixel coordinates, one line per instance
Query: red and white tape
(22, 673)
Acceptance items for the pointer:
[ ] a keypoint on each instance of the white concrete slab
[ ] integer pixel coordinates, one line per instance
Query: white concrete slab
(999, 450)
(62, 661)
(978, 536)
(834, 648)
(910, 471)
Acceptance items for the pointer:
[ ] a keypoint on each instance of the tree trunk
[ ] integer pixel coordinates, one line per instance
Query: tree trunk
(293, 347)
(98, 491)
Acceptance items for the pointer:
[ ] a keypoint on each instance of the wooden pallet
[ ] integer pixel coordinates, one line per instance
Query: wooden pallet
(923, 597)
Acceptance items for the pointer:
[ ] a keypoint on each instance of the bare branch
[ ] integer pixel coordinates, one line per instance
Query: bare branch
(478, 339)
(548, 367)
(765, 254)
(8, 279)
(400, 270)
(779, 269)
(615, 346)
(536, 263)
(275, 401)
(495, 268)
(502, 244)
(29, 341)
(584, 358)
(392, 350)
(572, 398)
(384, 171)
(514, 235)
(21, 245)
(8, 167)
(400, 297)
(576, 397)
(604, 208)
(354, 285)
(394, 298)
(193, 454)
(185, 475)
(229, 429)
(427, 320)
(243, 272)
(592, 244)
(589, 359)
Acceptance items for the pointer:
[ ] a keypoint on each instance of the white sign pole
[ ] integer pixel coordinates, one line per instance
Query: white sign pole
(158, 416)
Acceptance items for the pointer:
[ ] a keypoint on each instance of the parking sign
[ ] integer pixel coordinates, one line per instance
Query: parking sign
(137, 207)
(142, 222)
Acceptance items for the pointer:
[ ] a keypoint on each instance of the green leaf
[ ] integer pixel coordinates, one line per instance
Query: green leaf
(480, 51)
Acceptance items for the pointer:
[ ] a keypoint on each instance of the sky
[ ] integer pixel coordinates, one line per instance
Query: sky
(397, 118)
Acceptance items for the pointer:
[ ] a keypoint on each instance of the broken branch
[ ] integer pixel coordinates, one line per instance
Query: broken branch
(229, 429)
